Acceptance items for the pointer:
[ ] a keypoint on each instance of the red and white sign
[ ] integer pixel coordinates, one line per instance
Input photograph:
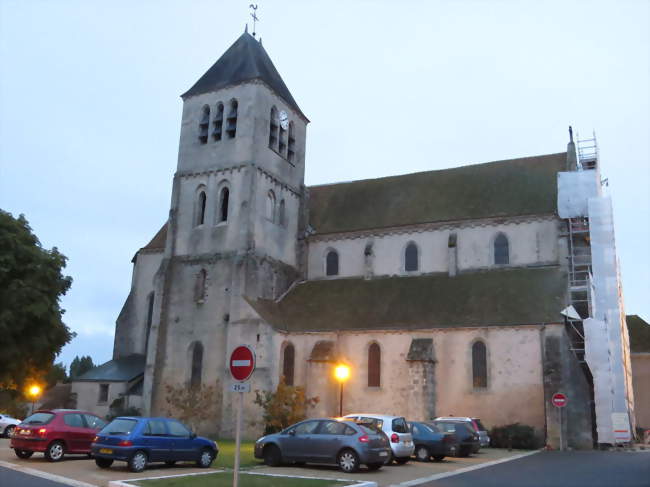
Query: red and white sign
(559, 400)
(242, 363)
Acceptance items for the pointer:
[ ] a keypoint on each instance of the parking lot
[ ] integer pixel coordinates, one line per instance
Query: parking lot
(81, 469)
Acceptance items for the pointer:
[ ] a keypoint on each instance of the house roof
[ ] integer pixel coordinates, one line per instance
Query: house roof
(487, 298)
(507, 188)
(158, 241)
(245, 60)
(123, 369)
(639, 331)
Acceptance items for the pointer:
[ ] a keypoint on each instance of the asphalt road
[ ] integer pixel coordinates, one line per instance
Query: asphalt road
(11, 478)
(560, 469)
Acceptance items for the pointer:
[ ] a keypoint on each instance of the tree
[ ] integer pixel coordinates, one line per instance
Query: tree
(284, 407)
(194, 404)
(56, 374)
(81, 365)
(31, 285)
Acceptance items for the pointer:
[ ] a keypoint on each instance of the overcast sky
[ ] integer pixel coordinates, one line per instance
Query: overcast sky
(90, 110)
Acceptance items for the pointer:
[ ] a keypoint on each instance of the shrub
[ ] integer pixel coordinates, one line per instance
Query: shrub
(117, 409)
(518, 436)
(284, 407)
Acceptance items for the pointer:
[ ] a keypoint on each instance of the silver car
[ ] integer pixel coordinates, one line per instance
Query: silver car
(395, 428)
(8, 425)
(325, 440)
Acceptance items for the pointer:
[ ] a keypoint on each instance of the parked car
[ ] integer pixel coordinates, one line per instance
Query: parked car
(56, 432)
(395, 428)
(430, 442)
(140, 441)
(326, 440)
(466, 437)
(484, 437)
(7, 425)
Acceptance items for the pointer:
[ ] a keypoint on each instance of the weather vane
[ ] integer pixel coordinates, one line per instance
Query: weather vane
(253, 8)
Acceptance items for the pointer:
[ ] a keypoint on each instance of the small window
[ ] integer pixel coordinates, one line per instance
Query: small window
(501, 251)
(197, 364)
(223, 204)
(204, 125)
(177, 429)
(411, 257)
(74, 420)
(307, 427)
(374, 365)
(281, 214)
(94, 422)
(103, 393)
(282, 145)
(291, 153)
(274, 124)
(200, 210)
(217, 123)
(270, 206)
(155, 427)
(231, 128)
(332, 428)
(288, 360)
(479, 364)
(150, 298)
(332, 263)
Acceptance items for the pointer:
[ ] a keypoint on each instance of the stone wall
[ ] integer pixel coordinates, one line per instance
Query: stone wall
(641, 382)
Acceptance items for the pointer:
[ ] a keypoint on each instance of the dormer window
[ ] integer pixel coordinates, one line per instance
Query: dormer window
(217, 124)
(204, 124)
(231, 127)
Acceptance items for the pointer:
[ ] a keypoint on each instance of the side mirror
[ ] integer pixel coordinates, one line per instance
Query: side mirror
(192, 435)
(292, 433)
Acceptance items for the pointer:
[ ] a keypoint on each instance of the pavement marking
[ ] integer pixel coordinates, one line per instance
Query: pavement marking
(462, 470)
(44, 475)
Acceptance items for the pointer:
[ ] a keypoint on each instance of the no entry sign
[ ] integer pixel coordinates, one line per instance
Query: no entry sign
(242, 363)
(559, 400)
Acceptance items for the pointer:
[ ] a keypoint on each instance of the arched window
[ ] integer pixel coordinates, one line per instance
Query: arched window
(374, 365)
(223, 204)
(273, 129)
(288, 362)
(281, 214)
(411, 257)
(149, 321)
(200, 208)
(199, 286)
(479, 365)
(501, 252)
(204, 124)
(197, 364)
(270, 205)
(282, 146)
(291, 153)
(231, 128)
(332, 263)
(217, 123)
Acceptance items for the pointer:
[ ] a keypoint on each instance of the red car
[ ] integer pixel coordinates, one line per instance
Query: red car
(56, 432)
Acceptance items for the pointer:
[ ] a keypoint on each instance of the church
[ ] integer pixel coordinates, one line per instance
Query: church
(478, 291)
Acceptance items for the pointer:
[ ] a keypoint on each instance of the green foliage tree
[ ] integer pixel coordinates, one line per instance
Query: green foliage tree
(57, 373)
(284, 407)
(31, 285)
(80, 365)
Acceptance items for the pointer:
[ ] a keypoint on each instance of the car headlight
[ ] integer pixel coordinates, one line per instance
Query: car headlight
(261, 439)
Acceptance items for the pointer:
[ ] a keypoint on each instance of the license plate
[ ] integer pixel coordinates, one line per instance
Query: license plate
(408, 443)
(106, 451)
(25, 432)
(383, 453)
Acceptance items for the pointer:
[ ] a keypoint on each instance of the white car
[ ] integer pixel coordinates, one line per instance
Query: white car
(395, 428)
(7, 425)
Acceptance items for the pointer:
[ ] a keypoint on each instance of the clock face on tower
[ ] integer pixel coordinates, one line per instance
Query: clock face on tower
(284, 120)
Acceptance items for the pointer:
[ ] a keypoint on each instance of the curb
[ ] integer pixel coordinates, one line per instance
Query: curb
(45, 475)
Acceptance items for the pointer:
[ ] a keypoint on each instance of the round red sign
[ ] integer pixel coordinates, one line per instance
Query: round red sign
(559, 400)
(242, 363)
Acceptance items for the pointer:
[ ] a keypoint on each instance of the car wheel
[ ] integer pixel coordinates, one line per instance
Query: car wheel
(9, 430)
(348, 461)
(374, 466)
(422, 454)
(438, 458)
(23, 453)
(138, 462)
(272, 456)
(103, 462)
(55, 451)
(205, 459)
(402, 460)
(464, 452)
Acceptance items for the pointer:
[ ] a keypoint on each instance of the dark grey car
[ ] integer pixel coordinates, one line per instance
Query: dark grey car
(328, 441)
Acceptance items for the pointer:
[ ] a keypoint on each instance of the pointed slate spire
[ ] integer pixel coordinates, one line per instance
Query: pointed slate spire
(245, 60)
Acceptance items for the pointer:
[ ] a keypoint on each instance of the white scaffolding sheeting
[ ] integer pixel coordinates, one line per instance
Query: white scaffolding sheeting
(573, 190)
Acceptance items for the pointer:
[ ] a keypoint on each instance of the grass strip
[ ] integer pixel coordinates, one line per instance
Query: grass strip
(225, 479)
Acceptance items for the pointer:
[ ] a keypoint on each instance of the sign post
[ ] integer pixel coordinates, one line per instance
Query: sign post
(560, 400)
(242, 365)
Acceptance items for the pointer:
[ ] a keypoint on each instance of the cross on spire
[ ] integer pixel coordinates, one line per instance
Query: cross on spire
(253, 8)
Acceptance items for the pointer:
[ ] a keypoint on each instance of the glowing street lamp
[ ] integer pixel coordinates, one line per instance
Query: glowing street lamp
(35, 392)
(342, 373)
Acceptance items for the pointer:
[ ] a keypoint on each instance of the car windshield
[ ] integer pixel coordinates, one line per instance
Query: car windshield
(399, 425)
(39, 418)
(119, 427)
(367, 429)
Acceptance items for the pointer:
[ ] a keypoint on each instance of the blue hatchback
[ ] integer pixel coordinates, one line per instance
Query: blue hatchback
(139, 441)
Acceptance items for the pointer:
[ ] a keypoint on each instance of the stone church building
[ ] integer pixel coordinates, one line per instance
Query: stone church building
(443, 290)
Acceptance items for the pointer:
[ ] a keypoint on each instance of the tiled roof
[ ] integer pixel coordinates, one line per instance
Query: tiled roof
(639, 331)
(123, 369)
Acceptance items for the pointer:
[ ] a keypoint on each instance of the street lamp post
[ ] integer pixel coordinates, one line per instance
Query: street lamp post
(34, 391)
(342, 373)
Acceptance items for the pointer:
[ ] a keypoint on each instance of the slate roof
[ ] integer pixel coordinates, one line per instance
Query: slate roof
(524, 186)
(123, 369)
(245, 60)
(639, 331)
(487, 298)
